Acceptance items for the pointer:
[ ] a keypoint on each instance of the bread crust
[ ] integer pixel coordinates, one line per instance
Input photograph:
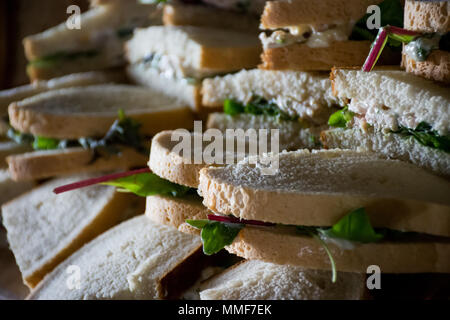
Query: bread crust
(174, 212)
(427, 16)
(279, 14)
(436, 67)
(46, 164)
(301, 57)
(391, 257)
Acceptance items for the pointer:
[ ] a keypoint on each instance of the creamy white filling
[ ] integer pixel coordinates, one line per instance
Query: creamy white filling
(319, 36)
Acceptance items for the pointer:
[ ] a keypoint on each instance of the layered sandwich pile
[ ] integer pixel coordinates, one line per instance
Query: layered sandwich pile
(144, 204)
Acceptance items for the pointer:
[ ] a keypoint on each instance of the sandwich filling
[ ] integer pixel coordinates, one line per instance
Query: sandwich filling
(124, 131)
(322, 35)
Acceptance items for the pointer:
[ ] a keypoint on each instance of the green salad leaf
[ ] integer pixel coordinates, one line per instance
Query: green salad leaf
(41, 143)
(426, 136)
(391, 14)
(355, 226)
(341, 118)
(256, 106)
(215, 234)
(20, 138)
(148, 184)
(50, 61)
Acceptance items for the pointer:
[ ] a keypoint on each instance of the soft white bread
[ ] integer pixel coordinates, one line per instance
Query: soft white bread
(390, 146)
(276, 246)
(307, 95)
(72, 113)
(10, 189)
(178, 156)
(204, 16)
(293, 135)
(174, 211)
(211, 50)
(71, 80)
(130, 261)
(280, 14)
(9, 148)
(50, 163)
(258, 280)
(320, 187)
(99, 37)
(428, 17)
(301, 57)
(106, 19)
(45, 228)
(187, 92)
(381, 95)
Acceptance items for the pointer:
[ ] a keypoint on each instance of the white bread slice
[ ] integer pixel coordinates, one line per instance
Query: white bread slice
(281, 14)
(138, 259)
(104, 19)
(10, 189)
(390, 146)
(392, 93)
(307, 95)
(205, 16)
(211, 50)
(90, 111)
(45, 228)
(71, 80)
(415, 256)
(186, 92)
(50, 163)
(293, 135)
(10, 148)
(301, 57)
(320, 187)
(427, 16)
(174, 211)
(258, 280)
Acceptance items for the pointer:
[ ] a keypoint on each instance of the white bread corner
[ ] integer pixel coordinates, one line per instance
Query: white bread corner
(293, 135)
(307, 95)
(293, 249)
(174, 211)
(320, 187)
(210, 50)
(401, 92)
(71, 80)
(390, 146)
(205, 16)
(258, 280)
(90, 111)
(427, 16)
(50, 163)
(45, 228)
(129, 261)
(10, 189)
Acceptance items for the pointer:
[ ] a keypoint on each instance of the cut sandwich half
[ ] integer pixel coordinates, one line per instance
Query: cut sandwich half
(97, 43)
(44, 229)
(428, 55)
(130, 261)
(317, 35)
(392, 113)
(344, 209)
(297, 104)
(76, 129)
(174, 60)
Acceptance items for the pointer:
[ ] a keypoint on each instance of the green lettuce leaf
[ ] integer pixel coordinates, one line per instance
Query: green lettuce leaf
(59, 57)
(426, 136)
(256, 106)
(148, 184)
(355, 226)
(215, 234)
(391, 14)
(341, 118)
(41, 143)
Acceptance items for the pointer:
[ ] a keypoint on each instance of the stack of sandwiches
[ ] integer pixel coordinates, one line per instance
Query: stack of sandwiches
(359, 160)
